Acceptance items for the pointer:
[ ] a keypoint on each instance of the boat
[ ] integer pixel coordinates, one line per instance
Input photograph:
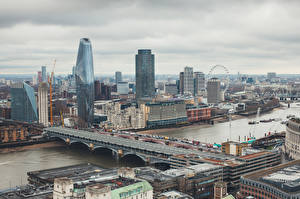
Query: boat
(290, 116)
(265, 121)
(253, 122)
(284, 122)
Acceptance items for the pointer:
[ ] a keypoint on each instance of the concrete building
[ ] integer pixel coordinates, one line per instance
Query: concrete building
(39, 77)
(96, 191)
(213, 91)
(44, 74)
(232, 148)
(279, 182)
(144, 74)
(292, 139)
(43, 103)
(188, 83)
(121, 116)
(199, 83)
(220, 190)
(171, 89)
(164, 113)
(104, 187)
(118, 77)
(23, 103)
(123, 88)
(181, 83)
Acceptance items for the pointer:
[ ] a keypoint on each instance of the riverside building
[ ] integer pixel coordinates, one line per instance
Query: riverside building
(292, 139)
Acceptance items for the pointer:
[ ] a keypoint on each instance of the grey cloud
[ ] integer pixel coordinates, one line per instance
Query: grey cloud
(236, 33)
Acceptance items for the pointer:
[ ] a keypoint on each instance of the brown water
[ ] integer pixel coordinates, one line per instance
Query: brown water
(14, 165)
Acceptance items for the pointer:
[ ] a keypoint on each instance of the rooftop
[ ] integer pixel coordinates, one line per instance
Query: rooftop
(175, 194)
(284, 176)
(74, 172)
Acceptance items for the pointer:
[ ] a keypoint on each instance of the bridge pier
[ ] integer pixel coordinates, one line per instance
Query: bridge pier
(117, 155)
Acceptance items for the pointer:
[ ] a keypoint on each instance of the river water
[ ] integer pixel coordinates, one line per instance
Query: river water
(14, 165)
(238, 129)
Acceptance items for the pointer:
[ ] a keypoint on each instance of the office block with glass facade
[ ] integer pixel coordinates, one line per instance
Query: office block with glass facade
(144, 74)
(23, 103)
(84, 75)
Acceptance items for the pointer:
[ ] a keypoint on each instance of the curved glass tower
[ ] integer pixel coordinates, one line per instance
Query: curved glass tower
(84, 74)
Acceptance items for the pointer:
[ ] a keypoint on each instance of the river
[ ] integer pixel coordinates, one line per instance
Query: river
(15, 164)
(239, 128)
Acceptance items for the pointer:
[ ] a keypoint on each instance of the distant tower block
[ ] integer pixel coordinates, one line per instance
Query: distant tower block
(43, 103)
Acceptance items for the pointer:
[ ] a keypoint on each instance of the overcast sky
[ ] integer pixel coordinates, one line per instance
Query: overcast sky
(246, 36)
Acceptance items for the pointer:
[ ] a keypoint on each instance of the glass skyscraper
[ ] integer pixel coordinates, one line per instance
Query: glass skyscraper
(144, 74)
(84, 74)
(23, 103)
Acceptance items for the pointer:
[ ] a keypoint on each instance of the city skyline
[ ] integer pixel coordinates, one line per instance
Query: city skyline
(248, 37)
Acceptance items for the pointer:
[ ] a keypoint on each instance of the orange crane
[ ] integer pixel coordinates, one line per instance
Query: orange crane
(50, 93)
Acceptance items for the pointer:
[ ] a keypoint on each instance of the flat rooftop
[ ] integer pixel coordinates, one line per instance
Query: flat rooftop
(285, 177)
(29, 192)
(151, 174)
(195, 169)
(73, 171)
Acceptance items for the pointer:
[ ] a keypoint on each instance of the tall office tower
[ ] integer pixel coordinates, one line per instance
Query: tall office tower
(44, 74)
(188, 84)
(118, 76)
(40, 79)
(85, 91)
(43, 103)
(199, 80)
(213, 91)
(181, 83)
(23, 104)
(144, 74)
(97, 90)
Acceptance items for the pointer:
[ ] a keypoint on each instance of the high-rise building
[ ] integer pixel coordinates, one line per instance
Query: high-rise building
(213, 91)
(199, 80)
(43, 103)
(144, 74)
(84, 75)
(39, 77)
(23, 103)
(97, 90)
(188, 84)
(181, 83)
(118, 76)
(171, 89)
(44, 74)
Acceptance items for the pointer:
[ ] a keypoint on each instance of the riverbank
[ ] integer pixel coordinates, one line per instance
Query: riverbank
(201, 125)
(34, 146)
(195, 125)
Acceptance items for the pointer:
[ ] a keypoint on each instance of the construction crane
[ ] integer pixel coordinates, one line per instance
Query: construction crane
(50, 80)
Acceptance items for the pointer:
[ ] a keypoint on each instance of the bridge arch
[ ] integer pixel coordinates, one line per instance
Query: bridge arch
(99, 148)
(161, 165)
(61, 139)
(134, 158)
(73, 143)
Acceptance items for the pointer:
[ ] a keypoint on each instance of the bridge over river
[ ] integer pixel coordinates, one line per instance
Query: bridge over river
(150, 153)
